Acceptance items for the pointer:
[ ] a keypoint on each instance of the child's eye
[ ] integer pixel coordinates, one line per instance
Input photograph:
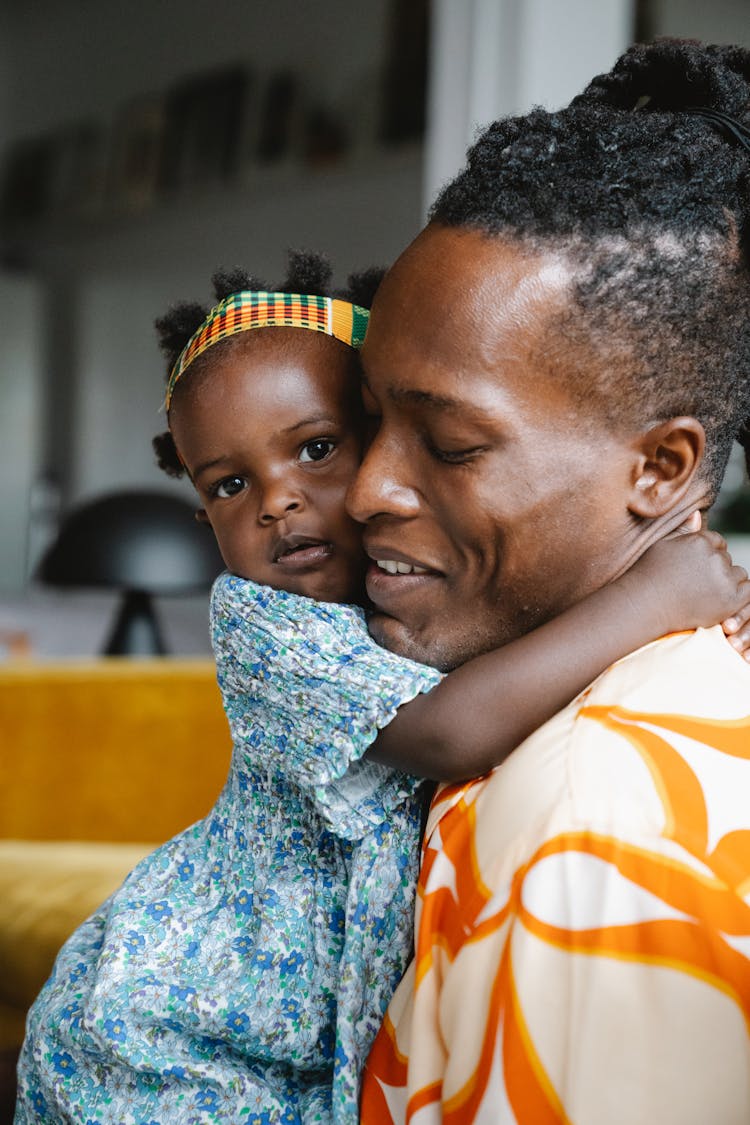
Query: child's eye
(316, 450)
(228, 487)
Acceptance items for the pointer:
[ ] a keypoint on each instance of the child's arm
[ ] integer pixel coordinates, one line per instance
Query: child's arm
(481, 711)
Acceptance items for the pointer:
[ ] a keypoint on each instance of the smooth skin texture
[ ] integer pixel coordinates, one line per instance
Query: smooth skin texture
(510, 502)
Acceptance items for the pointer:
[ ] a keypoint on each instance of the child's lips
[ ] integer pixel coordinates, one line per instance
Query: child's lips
(297, 552)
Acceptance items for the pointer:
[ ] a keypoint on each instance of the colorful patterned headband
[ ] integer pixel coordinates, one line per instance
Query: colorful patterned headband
(250, 309)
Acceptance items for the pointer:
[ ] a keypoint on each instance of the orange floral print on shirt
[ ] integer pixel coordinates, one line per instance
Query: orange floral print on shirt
(583, 922)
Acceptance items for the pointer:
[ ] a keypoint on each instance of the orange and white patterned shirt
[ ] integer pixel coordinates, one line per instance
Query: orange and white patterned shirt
(583, 925)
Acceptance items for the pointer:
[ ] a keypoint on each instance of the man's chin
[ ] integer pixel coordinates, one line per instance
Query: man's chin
(399, 638)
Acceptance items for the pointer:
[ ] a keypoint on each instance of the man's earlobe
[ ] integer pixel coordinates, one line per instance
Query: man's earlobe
(669, 456)
(200, 515)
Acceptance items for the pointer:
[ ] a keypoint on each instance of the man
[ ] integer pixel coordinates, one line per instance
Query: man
(559, 363)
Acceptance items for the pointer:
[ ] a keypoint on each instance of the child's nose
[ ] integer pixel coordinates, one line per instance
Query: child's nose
(278, 502)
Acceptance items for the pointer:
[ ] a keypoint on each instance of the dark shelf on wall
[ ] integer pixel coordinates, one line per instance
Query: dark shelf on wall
(101, 237)
(213, 142)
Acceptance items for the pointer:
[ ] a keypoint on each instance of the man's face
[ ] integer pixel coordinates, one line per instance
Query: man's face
(495, 501)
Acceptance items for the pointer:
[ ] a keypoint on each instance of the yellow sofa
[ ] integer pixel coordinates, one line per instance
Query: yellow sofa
(100, 761)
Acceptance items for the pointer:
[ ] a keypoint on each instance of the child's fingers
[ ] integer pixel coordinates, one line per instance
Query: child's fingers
(740, 617)
(741, 641)
(737, 627)
(692, 523)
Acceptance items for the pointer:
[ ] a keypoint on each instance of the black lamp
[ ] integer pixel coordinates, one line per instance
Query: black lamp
(143, 543)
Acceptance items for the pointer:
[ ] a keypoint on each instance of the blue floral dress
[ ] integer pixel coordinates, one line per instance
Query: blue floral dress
(242, 970)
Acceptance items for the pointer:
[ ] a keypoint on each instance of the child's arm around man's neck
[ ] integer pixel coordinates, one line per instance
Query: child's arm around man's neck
(481, 711)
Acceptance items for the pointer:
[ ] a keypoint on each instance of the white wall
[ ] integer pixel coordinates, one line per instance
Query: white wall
(19, 433)
(566, 44)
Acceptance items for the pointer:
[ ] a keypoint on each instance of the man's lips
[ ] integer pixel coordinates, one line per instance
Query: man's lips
(397, 584)
(391, 566)
(298, 551)
(393, 562)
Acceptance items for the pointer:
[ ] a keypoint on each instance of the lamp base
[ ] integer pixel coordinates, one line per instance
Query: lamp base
(136, 629)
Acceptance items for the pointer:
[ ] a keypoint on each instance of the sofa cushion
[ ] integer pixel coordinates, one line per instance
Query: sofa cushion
(116, 749)
(46, 889)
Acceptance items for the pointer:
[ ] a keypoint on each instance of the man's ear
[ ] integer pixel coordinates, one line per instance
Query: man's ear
(200, 515)
(669, 456)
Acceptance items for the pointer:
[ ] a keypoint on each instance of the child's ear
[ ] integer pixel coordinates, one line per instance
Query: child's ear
(668, 458)
(200, 515)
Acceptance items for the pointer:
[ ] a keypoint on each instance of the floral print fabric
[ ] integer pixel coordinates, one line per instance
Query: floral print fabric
(242, 970)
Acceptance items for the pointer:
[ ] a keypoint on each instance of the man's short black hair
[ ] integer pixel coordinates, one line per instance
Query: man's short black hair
(650, 205)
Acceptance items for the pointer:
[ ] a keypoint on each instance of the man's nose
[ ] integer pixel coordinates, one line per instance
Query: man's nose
(381, 486)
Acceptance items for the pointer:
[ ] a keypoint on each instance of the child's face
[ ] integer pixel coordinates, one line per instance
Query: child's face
(270, 431)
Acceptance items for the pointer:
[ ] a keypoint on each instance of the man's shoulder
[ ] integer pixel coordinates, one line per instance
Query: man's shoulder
(686, 681)
(603, 762)
(696, 672)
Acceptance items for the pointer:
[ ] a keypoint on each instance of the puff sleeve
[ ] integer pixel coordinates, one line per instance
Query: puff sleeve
(306, 691)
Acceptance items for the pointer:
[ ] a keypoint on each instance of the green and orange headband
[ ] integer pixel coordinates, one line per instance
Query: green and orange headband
(258, 309)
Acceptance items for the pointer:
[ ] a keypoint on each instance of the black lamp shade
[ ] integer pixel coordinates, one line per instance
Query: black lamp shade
(144, 543)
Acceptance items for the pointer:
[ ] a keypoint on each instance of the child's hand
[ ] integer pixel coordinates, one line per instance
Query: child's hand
(694, 584)
(737, 629)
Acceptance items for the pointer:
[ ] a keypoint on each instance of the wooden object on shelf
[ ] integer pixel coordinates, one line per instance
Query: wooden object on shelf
(202, 130)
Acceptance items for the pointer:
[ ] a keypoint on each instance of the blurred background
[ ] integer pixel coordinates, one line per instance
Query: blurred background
(144, 145)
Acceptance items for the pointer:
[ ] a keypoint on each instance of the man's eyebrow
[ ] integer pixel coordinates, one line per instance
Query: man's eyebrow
(423, 398)
(420, 398)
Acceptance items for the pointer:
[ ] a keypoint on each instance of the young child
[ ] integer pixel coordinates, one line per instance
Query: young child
(242, 970)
